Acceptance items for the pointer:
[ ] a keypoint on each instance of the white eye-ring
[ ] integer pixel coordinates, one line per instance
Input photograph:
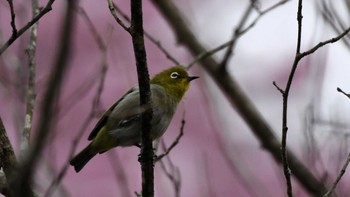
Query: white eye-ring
(174, 75)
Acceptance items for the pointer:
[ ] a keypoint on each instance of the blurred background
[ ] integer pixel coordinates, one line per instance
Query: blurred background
(218, 154)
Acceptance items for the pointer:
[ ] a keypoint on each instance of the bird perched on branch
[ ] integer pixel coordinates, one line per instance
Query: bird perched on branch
(120, 125)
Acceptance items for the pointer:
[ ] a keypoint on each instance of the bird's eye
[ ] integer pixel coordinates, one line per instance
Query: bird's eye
(174, 75)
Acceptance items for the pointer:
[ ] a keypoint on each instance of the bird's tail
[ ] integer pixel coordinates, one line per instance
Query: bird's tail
(81, 159)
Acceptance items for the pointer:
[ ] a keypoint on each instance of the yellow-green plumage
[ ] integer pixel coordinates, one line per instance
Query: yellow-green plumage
(121, 125)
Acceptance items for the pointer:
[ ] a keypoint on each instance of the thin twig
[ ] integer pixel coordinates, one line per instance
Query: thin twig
(13, 17)
(332, 18)
(235, 37)
(27, 167)
(321, 44)
(176, 141)
(14, 37)
(95, 102)
(261, 14)
(340, 90)
(151, 38)
(340, 175)
(237, 98)
(285, 95)
(120, 174)
(115, 15)
(31, 94)
(173, 175)
(236, 34)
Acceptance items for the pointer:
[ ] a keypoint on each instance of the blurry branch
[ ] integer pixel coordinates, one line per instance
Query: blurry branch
(8, 162)
(111, 7)
(30, 100)
(4, 187)
(103, 46)
(332, 18)
(120, 174)
(237, 98)
(18, 33)
(341, 173)
(239, 31)
(285, 93)
(173, 174)
(341, 91)
(13, 17)
(147, 154)
(114, 9)
(175, 142)
(22, 183)
(236, 34)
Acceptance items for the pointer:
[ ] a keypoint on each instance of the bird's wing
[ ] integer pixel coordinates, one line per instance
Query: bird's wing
(103, 120)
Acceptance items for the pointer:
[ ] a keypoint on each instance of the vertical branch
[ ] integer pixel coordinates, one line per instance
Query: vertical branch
(8, 162)
(103, 46)
(136, 30)
(285, 95)
(31, 50)
(22, 182)
(13, 17)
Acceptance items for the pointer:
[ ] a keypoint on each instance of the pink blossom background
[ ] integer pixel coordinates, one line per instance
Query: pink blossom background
(218, 155)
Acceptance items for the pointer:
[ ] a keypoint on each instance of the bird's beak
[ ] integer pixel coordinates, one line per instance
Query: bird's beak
(192, 78)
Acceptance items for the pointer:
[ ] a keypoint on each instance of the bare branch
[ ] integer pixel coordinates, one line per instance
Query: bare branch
(175, 142)
(13, 17)
(151, 38)
(236, 34)
(27, 167)
(173, 175)
(237, 98)
(14, 37)
(8, 162)
(341, 173)
(115, 15)
(95, 102)
(321, 44)
(30, 100)
(277, 87)
(340, 90)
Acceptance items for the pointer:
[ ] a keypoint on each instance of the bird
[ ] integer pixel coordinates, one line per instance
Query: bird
(120, 125)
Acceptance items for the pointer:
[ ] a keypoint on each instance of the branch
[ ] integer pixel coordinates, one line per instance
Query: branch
(341, 173)
(14, 37)
(24, 176)
(236, 34)
(147, 154)
(173, 175)
(237, 98)
(285, 96)
(321, 44)
(114, 8)
(111, 7)
(8, 162)
(30, 100)
(95, 102)
(341, 91)
(175, 142)
(13, 17)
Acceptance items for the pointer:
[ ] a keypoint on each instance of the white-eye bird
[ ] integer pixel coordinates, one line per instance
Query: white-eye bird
(120, 125)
